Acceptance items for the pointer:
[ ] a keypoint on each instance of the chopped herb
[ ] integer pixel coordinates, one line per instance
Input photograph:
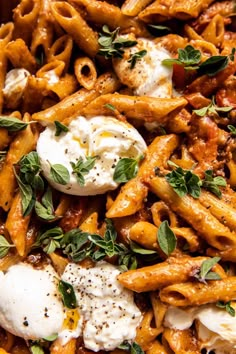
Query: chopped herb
(59, 174)
(49, 240)
(60, 128)
(212, 183)
(232, 129)
(166, 238)
(68, 294)
(126, 169)
(184, 181)
(205, 271)
(82, 168)
(133, 348)
(190, 58)
(110, 106)
(36, 349)
(112, 45)
(211, 108)
(45, 209)
(158, 30)
(4, 246)
(136, 56)
(227, 306)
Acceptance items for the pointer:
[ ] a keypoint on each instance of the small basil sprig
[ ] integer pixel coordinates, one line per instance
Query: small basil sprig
(4, 246)
(227, 307)
(135, 57)
(49, 240)
(212, 183)
(212, 108)
(184, 181)
(190, 58)
(59, 174)
(36, 349)
(13, 124)
(60, 128)
(82, 168)
(126, 169)
(112, 45)
(205, 271)
(45, 209)
(166, 238)
(68, 294)
(133, 348)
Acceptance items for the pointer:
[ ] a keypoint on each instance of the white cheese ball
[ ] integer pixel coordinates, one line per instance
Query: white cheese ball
(30, 305)
(105, 137)
(149, 77)
(107, 308)
(15, 83)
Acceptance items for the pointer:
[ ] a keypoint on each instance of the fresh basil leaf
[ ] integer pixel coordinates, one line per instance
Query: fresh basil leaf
(38, 183)
(59, 174)
(201, 112)
(227, 306)
(125, 170)
(166, 238)
(12, 124)
(207, 266)
(27, 197)
(189, 57)
(232, 129)
(212, 276)
(82, 168)
(51, 338)
(60, 128)
(212, 183)
(68, 294)
(212, 108)
(136, 349)
(135, 57)
(139, 250)
(110, 106)
(49, 240)
(47, 199)
(111, 44)
(36, 349)
(4, 246)
(213, 65)
(158, 30)
(43, 212)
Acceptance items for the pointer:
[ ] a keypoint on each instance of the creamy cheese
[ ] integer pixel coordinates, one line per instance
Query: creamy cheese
(216, 328)
(149, 77)
(105, 137)
(15, 83)
(108, 309)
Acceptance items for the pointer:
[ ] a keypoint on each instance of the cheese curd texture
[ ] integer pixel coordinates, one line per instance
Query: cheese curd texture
(30, 305)
(216, 328)
(149, 77)
(108, 310)
(104, 137)
(15, 83)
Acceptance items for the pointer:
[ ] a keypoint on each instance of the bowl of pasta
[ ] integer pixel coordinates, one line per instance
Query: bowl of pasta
(117, 177)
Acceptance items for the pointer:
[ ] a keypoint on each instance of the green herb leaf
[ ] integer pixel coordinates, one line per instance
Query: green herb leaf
(68, 294)
(232, 129)
(60, 128)
(205, 271)
(12, 124)
(166, 238)
(59, 174)
(110, 106)
(125, 170)
(51, 338)
(45, 209)
(139, 250)
(136, 56)
(213, 65)
(213, 183)
(36, 349)
(212, 108)
(49, 240)
(27, 196)
(227, 306)
(82, 168)
(112, 44)
(158, 30)
(4, 246)
(133, 348)
(189, 57)
(184, 181)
